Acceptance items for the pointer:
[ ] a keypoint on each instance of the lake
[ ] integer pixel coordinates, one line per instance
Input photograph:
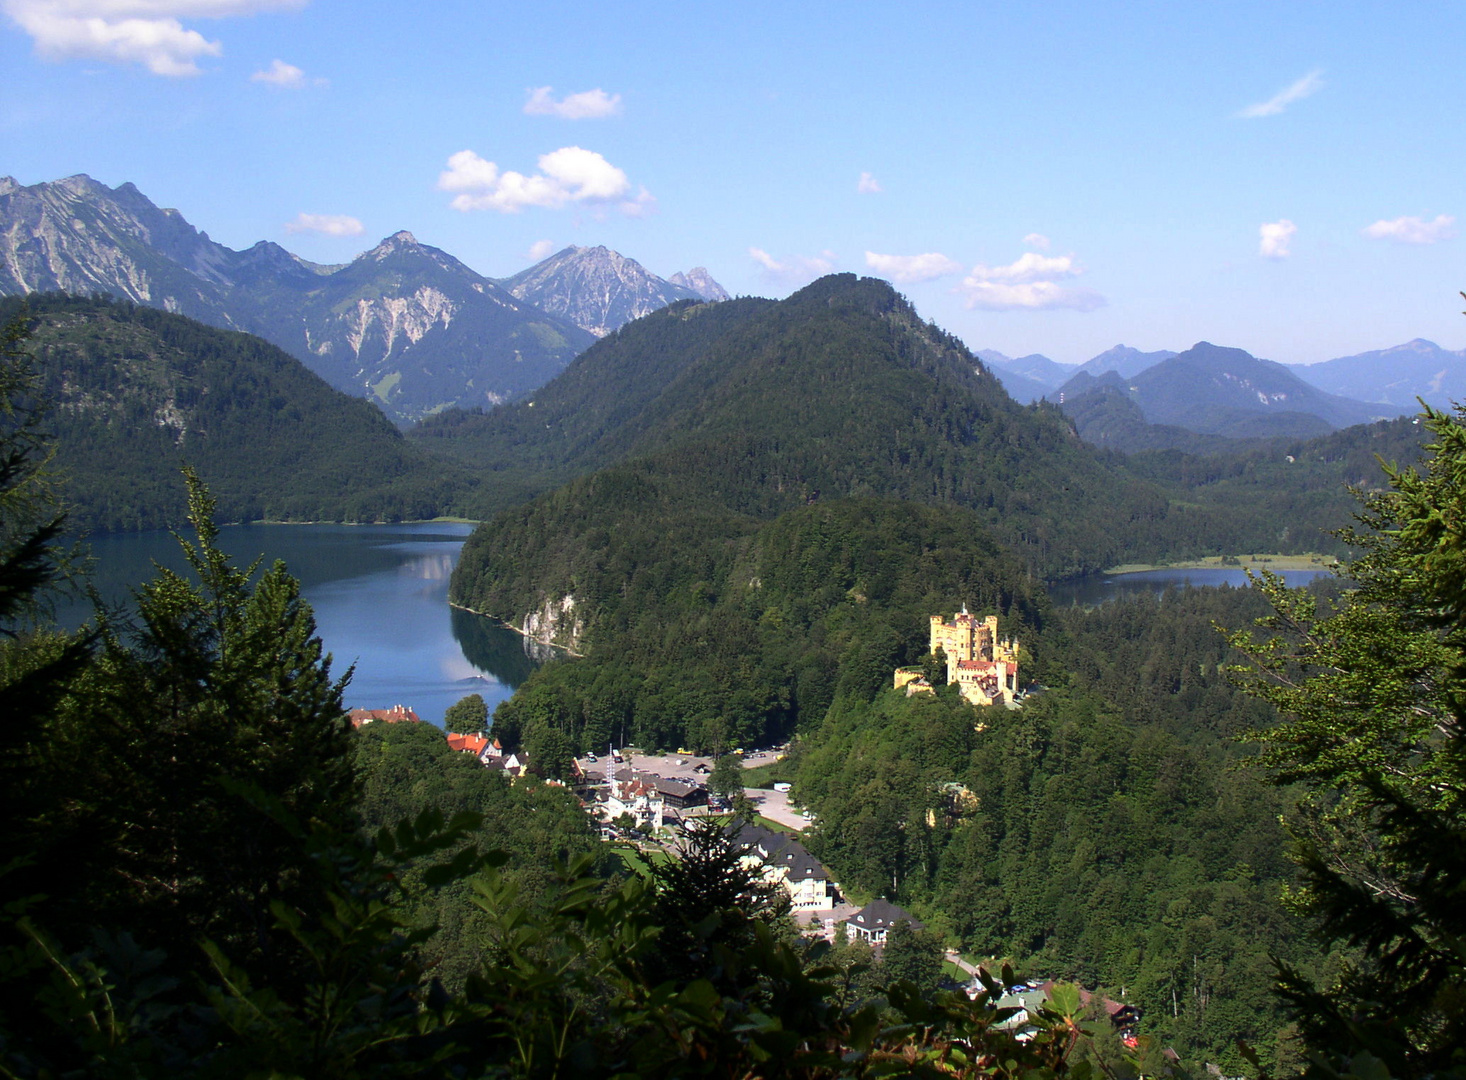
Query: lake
(380, 596)
(1099, 588)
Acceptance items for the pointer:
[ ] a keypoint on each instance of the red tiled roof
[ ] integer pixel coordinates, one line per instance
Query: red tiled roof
(397, 714)
(468, 744)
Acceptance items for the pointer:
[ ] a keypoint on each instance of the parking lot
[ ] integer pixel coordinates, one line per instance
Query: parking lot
(773, 805)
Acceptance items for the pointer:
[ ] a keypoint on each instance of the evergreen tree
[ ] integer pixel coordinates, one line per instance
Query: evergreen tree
(1373, 696)
(216, 698)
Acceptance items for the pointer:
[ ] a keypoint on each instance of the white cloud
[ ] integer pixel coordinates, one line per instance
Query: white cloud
(146, 32)
(541, 249)
(330, 224)
(1029, 267)
(644, 205)
(1028, 283)
(1036, 240)
(568, 175)
(868, 185)
(793, 269)
(1033, 295)
(588, 105)
(1275, 238)
(1413, 230)
(280, 74)
(1309, 84)
(912, 268)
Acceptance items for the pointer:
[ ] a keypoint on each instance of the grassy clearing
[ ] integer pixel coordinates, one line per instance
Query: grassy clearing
(1257, 561)
(639, 862)
(766, 776)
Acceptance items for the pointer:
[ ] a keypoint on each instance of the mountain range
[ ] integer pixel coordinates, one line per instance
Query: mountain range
(1213, 390)
(404, 324)
(1395, 377)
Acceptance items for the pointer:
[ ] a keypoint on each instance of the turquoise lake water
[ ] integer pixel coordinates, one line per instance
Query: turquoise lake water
(380, 595)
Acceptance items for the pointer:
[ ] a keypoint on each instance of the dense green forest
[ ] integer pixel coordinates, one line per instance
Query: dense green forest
(839, 391)
(1103, 833)
(1097, 834)
(136, 392)
(718, 636)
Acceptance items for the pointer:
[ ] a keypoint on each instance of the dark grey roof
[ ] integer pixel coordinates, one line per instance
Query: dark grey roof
(882, 915)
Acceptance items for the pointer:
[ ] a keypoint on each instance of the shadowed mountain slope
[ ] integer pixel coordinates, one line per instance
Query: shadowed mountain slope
(753, 407)
(137, 392)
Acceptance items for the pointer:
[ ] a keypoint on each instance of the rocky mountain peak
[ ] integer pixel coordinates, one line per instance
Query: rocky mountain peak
(7, 185)
(596, 288)
(82, 184)
(392, 244)
(698, 280)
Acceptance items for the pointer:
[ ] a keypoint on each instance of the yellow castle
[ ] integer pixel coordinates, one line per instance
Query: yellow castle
(984, 668)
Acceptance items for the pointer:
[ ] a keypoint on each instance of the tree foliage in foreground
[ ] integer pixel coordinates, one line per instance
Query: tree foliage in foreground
(1373, 698)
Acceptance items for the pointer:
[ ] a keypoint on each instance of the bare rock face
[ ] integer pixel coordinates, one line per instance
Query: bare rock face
(598, 289)
(555, 622)
(404, 324)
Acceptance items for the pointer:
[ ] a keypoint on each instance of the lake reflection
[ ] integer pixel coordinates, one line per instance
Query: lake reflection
(1100, 588)
(380, 595)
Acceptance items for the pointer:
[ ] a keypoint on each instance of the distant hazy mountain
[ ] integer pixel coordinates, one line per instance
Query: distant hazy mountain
(1034, 366)
(404, 324)
(1104, 415)
(1026, 378)
(701, 282)
(1220, 391)
(601, 290)
(1125, 360)
(1395, 376)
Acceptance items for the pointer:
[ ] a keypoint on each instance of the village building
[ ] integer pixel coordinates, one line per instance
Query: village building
(782, 860)
(489, 752)
(638, 797)
(981, 665)
(681, 795)
(397, 714)
(467, 744)
(873, 922)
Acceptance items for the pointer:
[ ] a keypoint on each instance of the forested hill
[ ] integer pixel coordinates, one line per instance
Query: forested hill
(1286, 495)
(839, 391)
(136, 392)
(708, 629)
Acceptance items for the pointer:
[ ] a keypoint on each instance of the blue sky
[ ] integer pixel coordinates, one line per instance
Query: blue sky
(1286, 178)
